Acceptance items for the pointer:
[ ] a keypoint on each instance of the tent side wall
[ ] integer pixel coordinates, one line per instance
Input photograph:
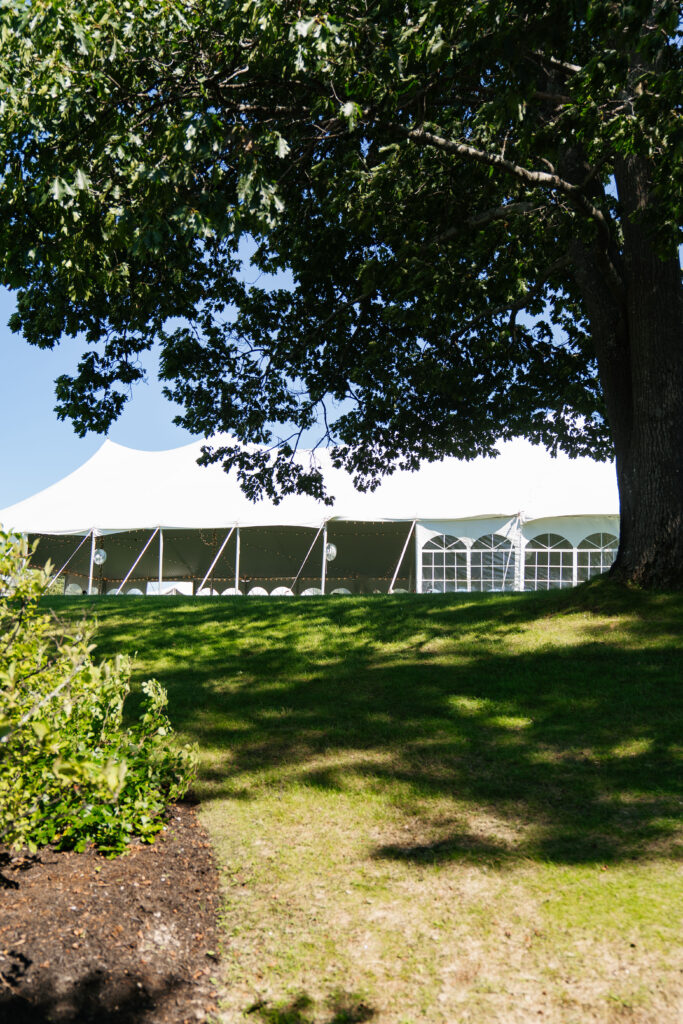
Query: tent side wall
(366, 558)
(498, 553)
(488, 553)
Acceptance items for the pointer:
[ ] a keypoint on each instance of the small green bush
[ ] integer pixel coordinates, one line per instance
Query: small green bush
(70, 771)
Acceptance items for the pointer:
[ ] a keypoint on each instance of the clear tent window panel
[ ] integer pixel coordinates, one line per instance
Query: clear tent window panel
(548, 562)
(595, 555)
(493, 563)
(444, 565)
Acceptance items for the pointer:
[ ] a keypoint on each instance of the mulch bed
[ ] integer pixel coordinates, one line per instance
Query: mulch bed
(126, 941)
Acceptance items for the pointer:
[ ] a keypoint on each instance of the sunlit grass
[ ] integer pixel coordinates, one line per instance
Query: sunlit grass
(437, 808)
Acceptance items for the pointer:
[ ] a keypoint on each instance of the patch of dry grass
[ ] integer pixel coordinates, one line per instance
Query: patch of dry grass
(311, 908)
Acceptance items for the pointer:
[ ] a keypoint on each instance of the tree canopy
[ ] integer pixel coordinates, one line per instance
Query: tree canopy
(479, 205)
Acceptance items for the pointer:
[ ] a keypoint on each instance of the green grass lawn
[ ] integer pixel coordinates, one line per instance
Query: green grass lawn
(457, 808)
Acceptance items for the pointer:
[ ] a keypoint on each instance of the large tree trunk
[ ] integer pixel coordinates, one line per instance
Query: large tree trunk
(638, 337)
(650, 467)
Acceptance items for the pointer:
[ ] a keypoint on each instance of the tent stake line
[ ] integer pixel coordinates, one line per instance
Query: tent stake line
(130, 571)
(301, 567)
(90, 533)
(403, 555)
(220, 552)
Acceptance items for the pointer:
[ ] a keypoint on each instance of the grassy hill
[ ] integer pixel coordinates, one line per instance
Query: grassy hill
(457, 808)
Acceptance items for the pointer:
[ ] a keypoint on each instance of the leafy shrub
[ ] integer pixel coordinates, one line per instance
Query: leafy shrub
(70, 771)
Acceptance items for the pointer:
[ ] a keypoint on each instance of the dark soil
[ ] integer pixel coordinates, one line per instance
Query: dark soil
(124, 941)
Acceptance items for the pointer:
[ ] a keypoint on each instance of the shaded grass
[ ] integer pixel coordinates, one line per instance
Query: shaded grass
(415, 799)
(567, 717)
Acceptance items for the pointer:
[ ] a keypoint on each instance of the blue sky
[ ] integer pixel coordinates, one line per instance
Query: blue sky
(38, 449)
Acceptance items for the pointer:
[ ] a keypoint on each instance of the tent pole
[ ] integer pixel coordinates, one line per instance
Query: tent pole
(519, 549)
(73, 553)
(220, 552)
(237, 562)
(468, 558)
(324, 566)
(512, 526)
(92, 562)
(161, 559)
(403, 552)
(130, 571)
(301, 567)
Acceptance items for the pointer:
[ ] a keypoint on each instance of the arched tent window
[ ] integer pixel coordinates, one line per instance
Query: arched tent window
(548, 562)
(444, 565)
(493, 563)
(595, 555)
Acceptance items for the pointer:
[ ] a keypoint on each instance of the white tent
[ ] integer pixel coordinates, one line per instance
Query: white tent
(127, 496)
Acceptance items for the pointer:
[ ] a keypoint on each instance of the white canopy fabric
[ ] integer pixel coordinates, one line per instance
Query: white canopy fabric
(121, 489)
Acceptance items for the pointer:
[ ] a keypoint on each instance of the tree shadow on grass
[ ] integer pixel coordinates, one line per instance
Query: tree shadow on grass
(573, 741)
(341, 1008)
(93, 999)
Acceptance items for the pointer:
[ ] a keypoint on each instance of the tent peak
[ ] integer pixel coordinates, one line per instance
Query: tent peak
(111, 445)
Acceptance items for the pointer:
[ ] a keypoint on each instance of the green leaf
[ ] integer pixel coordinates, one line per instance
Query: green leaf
(304, 28)
(81, 180)
(59, 189)
(281, 146)
(40, 728)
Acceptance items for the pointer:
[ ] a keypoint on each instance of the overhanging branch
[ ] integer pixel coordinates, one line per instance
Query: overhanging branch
(544, 179)
(503, 212)
(553, 181)
(486, 217)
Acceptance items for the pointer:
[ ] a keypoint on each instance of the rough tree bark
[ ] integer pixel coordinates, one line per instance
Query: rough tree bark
(650, 458)
(637, 331)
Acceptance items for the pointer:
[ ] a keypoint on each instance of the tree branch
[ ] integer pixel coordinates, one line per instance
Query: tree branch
(574, 193)
(553, 181)
(41, 703)
(565, 65)
(502, 213)
(499, 213)
(551, 97)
